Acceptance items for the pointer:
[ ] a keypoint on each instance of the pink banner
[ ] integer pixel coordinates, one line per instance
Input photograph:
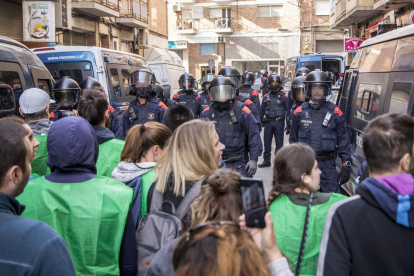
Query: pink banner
(352, 44)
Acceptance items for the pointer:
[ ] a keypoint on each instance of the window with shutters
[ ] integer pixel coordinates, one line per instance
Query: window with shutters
(270, 11)
(322, 7)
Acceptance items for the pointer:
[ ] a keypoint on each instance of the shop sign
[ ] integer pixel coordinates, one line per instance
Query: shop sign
(352, 44)
(177, 44)
(39, 21)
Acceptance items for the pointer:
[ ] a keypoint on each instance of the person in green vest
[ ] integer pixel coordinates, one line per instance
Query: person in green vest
(144, 145)
(94, 107)
(92, 213)
(296, 177)
(34, 108)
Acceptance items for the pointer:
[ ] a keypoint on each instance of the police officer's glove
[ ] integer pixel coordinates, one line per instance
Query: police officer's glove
(251, 167)
(344, 175)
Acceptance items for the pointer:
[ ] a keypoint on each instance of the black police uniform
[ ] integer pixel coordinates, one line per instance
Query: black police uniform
(251, 94)
(169, 102)
(275, 110)
(233, 135)
(265, 88)
(201, 103)
(152, 110)
(186, 98)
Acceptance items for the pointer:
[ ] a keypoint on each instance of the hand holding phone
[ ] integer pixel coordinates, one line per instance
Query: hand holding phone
(254, 204)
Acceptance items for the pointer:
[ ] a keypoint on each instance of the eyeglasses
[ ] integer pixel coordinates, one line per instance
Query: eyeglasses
(210, 224)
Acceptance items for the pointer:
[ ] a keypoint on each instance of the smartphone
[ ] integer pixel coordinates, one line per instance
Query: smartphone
(254, 204)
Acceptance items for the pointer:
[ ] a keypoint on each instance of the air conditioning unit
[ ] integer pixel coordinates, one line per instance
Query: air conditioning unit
(63, 14)
(176, 8)
(143, 38)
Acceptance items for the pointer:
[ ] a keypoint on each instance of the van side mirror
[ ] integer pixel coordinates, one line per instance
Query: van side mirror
(107, 59)
(7, 100)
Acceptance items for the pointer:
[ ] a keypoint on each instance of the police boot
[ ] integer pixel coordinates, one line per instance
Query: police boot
(264, 165)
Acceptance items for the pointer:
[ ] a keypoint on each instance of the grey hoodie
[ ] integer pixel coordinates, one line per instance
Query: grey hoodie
(40, 127)
(126, 171)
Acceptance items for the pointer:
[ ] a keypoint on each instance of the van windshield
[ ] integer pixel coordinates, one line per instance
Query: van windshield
(312, 65)
(77, 71)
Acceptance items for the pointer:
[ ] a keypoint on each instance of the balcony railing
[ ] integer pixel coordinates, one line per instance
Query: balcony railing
(223, 23)
(135, 9)
(340, 8)
(112, 4)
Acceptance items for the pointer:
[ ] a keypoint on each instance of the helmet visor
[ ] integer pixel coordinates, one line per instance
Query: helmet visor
(235, 80)
(298, 93)
(65, 98)
(187, 84)
(222, 93)
(317, 91)
(141, 79)
(207, 78)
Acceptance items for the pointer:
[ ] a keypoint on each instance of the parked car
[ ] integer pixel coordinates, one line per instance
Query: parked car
(20, 69)
(379, 80)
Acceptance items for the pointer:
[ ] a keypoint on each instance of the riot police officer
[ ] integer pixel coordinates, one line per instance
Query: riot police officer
(322, 125)
(186, 95)
(66, 93)
(203, 98)
(146, 107)
(275, 110)
(234, 123)
(298, 96)
(264, 86)
(302, 72)
(247, 91)
(160, 94)
(114, 125)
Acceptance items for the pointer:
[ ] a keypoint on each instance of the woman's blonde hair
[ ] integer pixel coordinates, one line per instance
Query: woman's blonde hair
(188, 156)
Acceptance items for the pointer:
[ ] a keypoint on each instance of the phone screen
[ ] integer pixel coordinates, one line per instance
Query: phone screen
(254, 204)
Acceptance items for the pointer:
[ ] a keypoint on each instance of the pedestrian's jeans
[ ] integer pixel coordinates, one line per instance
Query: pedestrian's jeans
(272, 129)
(329, 177)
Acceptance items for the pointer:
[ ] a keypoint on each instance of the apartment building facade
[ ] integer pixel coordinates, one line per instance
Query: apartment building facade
(248, 35)
(126, 25)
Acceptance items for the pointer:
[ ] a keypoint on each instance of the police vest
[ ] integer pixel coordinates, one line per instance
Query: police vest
(203, 100)
(265, 85)
(145, 113)
(246, 92)
(312, 132)
(109, 157)
(90, 216)
(232, 135)
(39, 165)
(187, 100)
(170, 102)
(275, 104)
(288, 222)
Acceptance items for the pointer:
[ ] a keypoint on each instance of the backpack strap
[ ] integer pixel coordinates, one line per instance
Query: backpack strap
(305, 232)
(156, 201)
(188, 198)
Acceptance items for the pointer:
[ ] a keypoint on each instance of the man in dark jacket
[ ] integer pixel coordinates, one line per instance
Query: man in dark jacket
(28, 247)
(373, 233)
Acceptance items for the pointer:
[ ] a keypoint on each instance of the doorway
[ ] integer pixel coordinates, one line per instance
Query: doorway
(206, 70)
(274, 69)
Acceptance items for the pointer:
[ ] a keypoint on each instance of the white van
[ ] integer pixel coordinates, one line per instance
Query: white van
(167, 67)
(111, 68)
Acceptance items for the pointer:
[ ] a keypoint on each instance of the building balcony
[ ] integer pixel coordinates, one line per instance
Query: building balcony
(187, 28)
(185, 1)
(222, 1)
(332, 18)
(223, 26)
(104, 8)
(355, 11)
(134, 15)
(390, 4)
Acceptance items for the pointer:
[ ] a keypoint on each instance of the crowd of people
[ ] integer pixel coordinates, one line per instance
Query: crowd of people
(160, 195)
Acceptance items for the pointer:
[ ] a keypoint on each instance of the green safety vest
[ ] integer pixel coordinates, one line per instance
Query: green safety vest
(147, 180)
(90, 216)
(288, 222)
(109, 156)
(39, 166)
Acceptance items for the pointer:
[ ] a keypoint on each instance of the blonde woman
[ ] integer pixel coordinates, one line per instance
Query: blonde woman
(193, 152)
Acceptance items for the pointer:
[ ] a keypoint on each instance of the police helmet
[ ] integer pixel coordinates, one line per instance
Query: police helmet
(275, 82)
(187, 82)
(66, 92)
(141, 83)
(222, 89)
(248, 78)
(318, 85)
(263, 72)
(232, 74)
(302, 72)
(207, 79)
(90, 82)
(298, 89)
(159, 91)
